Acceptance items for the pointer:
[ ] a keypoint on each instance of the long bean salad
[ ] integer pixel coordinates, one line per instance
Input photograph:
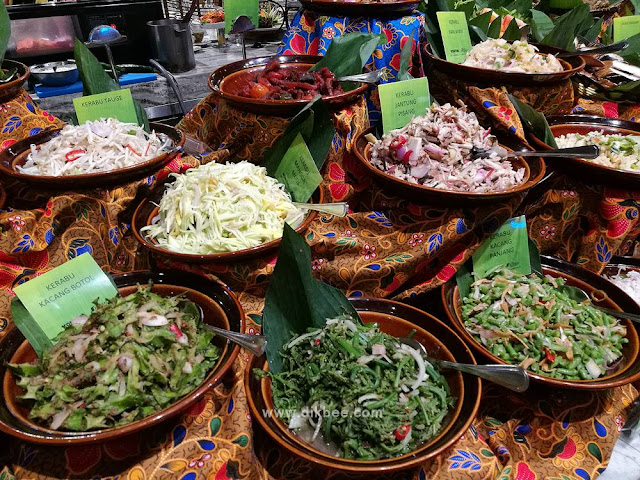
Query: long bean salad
(131, 357)
(389, 398)
(526, 320)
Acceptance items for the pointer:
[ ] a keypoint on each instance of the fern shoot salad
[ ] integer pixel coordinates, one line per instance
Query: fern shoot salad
(528, 320)
(130, 358)
(389, 398)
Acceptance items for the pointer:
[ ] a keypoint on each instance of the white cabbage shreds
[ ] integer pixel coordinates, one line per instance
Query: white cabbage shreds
(99, 146)
(519, 56)
(435, 151)
(629, 282)
(218, 208)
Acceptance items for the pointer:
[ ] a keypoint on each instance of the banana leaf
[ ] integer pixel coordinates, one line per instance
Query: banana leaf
(512, 31)
(405, 56)
(348, 54)
(5, 33)
(96, 80)
(568, 26)
(494, 28)
(632, 53)
(534, 122)
(315, 124)
(295, 301)
(541, 25)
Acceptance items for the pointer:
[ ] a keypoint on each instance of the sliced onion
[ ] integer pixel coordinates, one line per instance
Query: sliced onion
(368, 396)
(593, 368)
(187, 368)
(378, 349)
(79, 320)
(154, 321)
(58, 419)
(125, 362)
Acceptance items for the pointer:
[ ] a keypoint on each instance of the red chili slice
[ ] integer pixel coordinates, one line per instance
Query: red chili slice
(550, 356)
(397, 142)
(133, 150)
(407, 156)
(402, 432)
(316, 342)
(175, 329)
(74, 154)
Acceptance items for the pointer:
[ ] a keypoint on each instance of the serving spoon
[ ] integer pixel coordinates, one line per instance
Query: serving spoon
(512, 377)
(580, 296)
(613, 48)
(586, 151)
(366, 77)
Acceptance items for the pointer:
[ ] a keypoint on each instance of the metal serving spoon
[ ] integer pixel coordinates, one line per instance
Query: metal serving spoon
(367, 77)
(512, 377)
(254, 343)
(338, 209)
(614, 47)
(580, 296)
(587, 151)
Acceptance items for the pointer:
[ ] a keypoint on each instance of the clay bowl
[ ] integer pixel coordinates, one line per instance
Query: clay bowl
(535, 171)
(227, 81)
(622, 265)
(10, 89)
(629, 369)
(147, 211)
(16, 155)
(395, 319)
(585, 170)
(350, 8)
(3, 196)
(220, 308)
(485, 76)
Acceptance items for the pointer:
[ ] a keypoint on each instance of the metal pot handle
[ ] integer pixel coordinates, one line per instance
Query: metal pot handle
(177, 29)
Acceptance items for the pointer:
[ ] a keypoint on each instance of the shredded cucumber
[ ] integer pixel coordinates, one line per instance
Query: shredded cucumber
(218, 208)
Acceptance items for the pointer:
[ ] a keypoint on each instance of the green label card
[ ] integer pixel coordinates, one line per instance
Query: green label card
(46, 304)
(625, 27)
(118, 104)
(234, 8)
(298, 172)
(401, 101)
(508, 247)
(455, 35)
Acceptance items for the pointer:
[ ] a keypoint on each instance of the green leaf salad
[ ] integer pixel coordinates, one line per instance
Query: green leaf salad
(131, 357)
(356, 392)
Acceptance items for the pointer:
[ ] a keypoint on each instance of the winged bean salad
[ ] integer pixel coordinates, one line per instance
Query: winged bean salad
(526, 320)
(435, 151)
(391, 400)
(131, 357)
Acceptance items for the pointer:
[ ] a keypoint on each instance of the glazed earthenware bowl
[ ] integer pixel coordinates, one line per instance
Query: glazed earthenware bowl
(358, 8)
(396, 319)
(622, 265)
(16, 155)
(3, 196)
(610, 296)
(147, 213)
(585, 170)
(227, 81)
(10, 89)
(488, 77)
(219, 307)
(534, 173)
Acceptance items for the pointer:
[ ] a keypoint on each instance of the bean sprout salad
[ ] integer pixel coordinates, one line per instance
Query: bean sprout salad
(435, 151)
(219, 208)
(391, 400)
(519, 56)
(100, 146)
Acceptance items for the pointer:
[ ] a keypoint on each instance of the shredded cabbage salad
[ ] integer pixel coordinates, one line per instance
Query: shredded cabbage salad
(390, 399)
(435, 150)
(519, 56)
(628, 281)
(616, 151)
(100, 146)
(218, 208)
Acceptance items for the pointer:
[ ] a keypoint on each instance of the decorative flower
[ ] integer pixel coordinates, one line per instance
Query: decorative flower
(548, 231)
(47, 210)
(349, 233)
(200, 461)
(416, 239)
(569, 453)
(316, 263)
(328, 32)
(121, 259)
(619, 423)
(4, 107)
(368, 252)
(50, 117)
(505, 113)
(567, 194)
(251, 331)
(17, 222)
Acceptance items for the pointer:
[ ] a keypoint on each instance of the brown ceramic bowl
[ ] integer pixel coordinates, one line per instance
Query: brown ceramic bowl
(10, 89)
(361, 8)
(622, 265)
(16, 155)
(628, 370)
(395, 319)
(3, 196)
(587, 171)
(535, 170)
(148, 210)
(485, 76)
(220, 308)
(227, 81)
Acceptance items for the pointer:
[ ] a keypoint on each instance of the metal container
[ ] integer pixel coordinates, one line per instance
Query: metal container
(171, 44)
(56, 74)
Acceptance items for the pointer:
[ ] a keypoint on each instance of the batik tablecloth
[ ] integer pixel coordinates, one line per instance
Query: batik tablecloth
(386, 247)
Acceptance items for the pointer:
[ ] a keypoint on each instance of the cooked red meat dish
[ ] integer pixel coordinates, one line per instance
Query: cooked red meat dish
(276, 83)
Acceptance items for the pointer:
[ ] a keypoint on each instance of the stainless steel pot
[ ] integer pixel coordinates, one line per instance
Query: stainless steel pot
(171, 44)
